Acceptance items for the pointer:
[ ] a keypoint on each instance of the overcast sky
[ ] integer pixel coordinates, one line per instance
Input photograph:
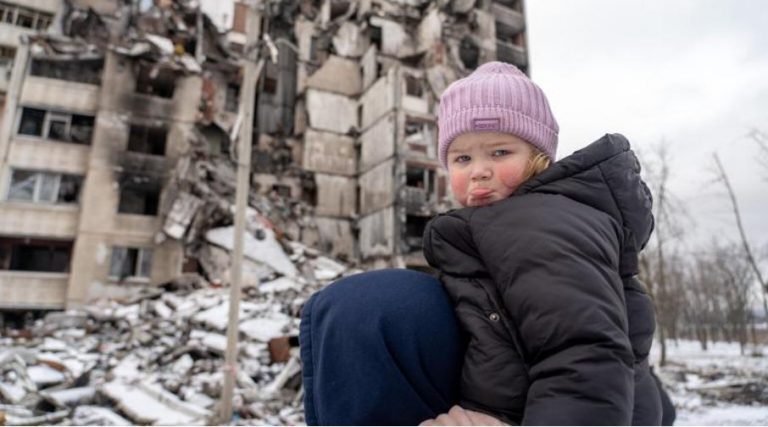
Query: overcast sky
(691, 74)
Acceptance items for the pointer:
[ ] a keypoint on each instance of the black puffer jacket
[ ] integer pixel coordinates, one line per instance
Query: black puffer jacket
(543, 282)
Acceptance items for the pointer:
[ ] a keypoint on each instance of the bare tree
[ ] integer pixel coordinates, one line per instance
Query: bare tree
(655, 269)
(723, 178)
(735, 275)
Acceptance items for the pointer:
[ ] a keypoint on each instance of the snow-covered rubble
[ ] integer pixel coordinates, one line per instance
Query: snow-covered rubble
(158, 359)
(719, 386)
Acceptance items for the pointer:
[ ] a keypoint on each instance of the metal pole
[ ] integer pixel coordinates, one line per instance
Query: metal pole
(247, 98)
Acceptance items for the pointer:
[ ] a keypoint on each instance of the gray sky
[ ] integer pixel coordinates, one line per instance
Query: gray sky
(693, 74)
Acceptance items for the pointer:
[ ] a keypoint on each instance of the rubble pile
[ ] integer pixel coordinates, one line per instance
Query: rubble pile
(716, 384)
(159, 357)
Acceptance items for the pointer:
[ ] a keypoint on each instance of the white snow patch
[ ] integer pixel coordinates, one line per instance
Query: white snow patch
(12, 392)
(279, 285)
(212, 341)
(265, 328)
(217, 317)
(87, 415)
(44, 375)
(128, 368)
(267, 251)
(326, 268)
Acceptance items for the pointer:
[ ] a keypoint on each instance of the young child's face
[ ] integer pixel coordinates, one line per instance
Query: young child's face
(486, 166)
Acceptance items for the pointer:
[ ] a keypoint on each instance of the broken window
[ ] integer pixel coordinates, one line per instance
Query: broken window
(6, 13)
(413, 86)
(155, 81)
(56, 126)
(139, 196)
(25, 18)
(81, 129)
(281, 190)
(147, 139)
(7, 53)
(417, 177)
(43, 21)
(25, 254)
(31, 121)
(420, 187)
(232, 98)
(376, 36)
(414, 231)
(44, 187)
(130, 262)
(83, 71)
(270, 83)
(419, 136)
(469, 53)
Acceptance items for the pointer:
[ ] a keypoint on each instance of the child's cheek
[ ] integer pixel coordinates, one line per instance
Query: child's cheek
(511, 177)
(459, 182)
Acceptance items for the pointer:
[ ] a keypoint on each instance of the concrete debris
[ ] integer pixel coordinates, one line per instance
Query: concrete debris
(159, 359)
(260, 247)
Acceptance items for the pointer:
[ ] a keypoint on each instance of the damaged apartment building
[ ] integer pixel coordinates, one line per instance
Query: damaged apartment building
(118, 148)
(19, 18)
(368, 77)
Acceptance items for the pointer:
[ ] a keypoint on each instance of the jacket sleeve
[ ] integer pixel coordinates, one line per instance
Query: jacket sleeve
(557, 269)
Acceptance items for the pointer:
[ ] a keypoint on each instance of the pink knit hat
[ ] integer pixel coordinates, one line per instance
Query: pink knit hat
(497, 97)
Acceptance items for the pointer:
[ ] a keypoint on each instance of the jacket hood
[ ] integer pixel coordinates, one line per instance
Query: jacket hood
(606, 176)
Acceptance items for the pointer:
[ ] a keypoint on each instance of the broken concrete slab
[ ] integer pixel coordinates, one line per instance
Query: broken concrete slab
(349, 40)
(378, 100)
(337, 75)
(149, 403)
(70, 397)
(182, 211)
(331, 112)
(266, 251)
(336, 195)
(330, 153)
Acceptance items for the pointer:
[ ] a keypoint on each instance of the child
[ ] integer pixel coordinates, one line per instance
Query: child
(541, 267)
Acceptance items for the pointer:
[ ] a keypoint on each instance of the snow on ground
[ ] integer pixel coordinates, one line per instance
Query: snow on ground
(718, 386)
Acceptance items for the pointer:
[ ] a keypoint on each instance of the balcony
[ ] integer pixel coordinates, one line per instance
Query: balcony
(33, 290)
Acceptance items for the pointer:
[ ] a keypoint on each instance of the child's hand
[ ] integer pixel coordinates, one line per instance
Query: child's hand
(458, 416)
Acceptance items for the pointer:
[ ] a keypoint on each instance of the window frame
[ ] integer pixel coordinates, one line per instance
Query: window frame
(8, 13)
(38, 189)
(142, 254)
(50, 116)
